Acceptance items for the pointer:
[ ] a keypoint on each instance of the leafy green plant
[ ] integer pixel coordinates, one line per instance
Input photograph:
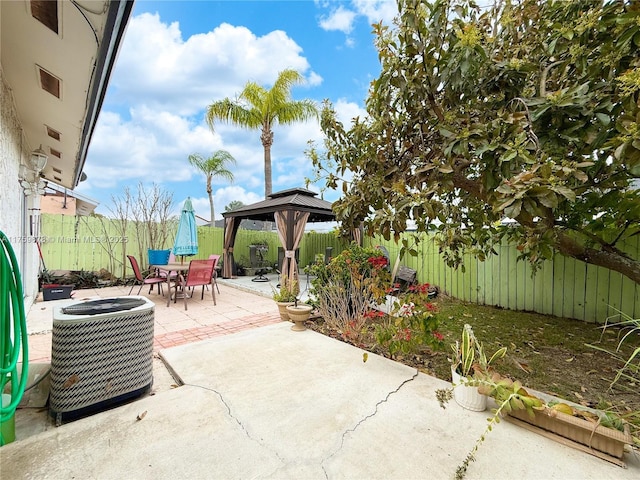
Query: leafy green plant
(469, 356)
(413, 323)
(509, 395)
(241, 265)
(464, 352)
(83, 279)
(47, 277)
(631, 328)
(287, 291)
(260, 241)
(548, 139)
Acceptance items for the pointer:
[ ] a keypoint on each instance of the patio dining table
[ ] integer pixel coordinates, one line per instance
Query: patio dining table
(178, 267)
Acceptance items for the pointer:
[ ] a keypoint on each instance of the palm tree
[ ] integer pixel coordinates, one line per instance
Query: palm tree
(233, 205)
(214, 166)
(259, 108)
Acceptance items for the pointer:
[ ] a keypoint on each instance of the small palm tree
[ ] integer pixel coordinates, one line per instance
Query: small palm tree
(259, 108)
(214, 166)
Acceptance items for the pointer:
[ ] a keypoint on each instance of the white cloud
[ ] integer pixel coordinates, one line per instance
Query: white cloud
(377, 10)
(166, 83)
(343, 19)
(314, 79)
(347, 111)
(339, 19)
(158, 68)
(224, 196)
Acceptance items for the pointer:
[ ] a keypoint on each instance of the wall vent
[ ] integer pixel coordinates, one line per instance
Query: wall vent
(49, 83)
(46, 12)
(53, 133)
(55, 152)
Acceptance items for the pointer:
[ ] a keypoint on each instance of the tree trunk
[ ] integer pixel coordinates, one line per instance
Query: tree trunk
(267, 141)
(210, 193)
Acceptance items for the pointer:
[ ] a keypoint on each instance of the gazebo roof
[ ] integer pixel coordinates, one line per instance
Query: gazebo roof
(299, 199)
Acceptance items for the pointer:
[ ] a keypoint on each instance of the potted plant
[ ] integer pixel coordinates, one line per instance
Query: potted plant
(240, 267)
(45, 278)
(54, 287)
(601, 434)
(470, 360)
(286, 295)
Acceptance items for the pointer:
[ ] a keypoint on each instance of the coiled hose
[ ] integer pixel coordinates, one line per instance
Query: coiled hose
(13, 331)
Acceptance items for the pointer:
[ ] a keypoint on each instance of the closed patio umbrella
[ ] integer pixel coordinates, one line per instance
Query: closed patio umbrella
(187, 236)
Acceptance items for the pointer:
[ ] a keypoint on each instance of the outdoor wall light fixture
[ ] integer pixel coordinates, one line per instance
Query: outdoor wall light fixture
(30, 178)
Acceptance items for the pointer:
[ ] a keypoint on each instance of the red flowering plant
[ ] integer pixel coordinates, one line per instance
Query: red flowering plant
(347, 289)
(412, 323)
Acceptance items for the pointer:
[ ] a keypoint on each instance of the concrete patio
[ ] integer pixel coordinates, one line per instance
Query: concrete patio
(249, 398)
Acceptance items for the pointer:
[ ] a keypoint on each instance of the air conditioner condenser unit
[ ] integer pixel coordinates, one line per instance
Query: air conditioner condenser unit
(101, 355)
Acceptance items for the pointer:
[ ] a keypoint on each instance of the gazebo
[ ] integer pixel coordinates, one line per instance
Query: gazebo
(291, 210)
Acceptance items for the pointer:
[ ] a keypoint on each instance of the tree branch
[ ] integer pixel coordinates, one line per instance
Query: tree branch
(611, 260)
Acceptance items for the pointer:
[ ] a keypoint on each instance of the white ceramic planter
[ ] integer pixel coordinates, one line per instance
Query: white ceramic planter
(467, 396)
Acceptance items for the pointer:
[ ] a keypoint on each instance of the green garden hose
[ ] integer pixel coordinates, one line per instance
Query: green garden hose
(12, 316)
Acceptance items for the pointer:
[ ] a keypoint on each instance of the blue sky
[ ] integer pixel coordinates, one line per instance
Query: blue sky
(178, 57)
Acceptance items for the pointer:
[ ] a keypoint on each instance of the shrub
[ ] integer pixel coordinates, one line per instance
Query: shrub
(347, 288)
(413, 323)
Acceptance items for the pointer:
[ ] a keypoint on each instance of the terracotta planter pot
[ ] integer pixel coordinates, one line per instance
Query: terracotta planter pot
(466, 396)
(282, 308)
(298, 315)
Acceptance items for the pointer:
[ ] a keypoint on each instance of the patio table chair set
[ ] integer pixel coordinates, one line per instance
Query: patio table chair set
(200, 273)
(180, 280)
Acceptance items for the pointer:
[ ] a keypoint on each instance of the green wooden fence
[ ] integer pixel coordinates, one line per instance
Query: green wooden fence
(563, 286)
(92, 244)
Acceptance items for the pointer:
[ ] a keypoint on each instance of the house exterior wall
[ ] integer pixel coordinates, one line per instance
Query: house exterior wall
(19, 215)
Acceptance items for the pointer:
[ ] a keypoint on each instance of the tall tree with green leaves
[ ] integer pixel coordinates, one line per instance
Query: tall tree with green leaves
(527, 109)
(214, 166)
(258, 108)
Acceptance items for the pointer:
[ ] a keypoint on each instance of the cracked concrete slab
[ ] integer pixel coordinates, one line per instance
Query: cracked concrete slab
(276, 385)
(185, 433)
(275, 404)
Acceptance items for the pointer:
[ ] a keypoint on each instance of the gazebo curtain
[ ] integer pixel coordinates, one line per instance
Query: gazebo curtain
(290, 225)
(231, 225)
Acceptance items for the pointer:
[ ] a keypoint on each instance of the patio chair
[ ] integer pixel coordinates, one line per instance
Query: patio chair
(216, 259)
(151, 279)
(259, 263)
(405, 277)
(200, 273)
(168, 274)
